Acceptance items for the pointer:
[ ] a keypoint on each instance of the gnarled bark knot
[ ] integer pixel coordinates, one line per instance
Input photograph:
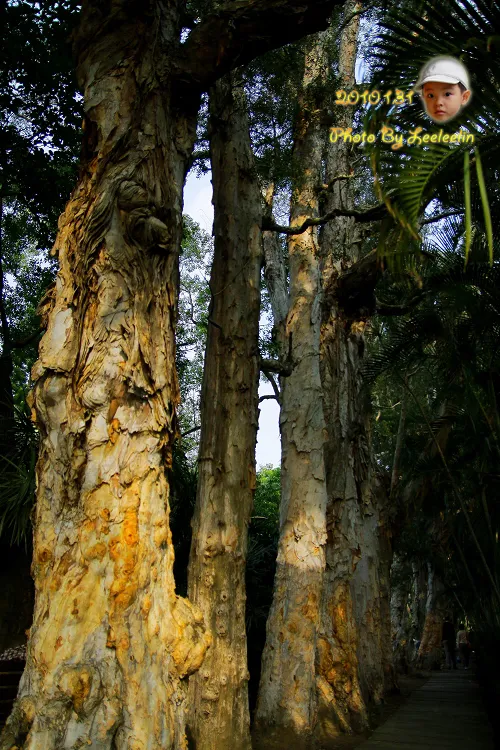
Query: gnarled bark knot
(140, 214)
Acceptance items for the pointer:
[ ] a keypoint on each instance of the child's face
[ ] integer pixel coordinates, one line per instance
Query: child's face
(443, 100)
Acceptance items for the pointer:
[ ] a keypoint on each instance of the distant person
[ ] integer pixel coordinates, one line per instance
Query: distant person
(443, 84)
(448, 640)
(463, 645)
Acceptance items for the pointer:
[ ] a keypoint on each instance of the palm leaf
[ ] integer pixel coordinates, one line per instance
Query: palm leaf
(414, 177)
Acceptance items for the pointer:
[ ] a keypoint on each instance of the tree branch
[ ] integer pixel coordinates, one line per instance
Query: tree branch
(274, 365)
(370, 214)
(27, 339)
(277, 392)
(383, 309)
(353, 15)
(242, 30)
(193, 429)
(197, 156)
(269, 396)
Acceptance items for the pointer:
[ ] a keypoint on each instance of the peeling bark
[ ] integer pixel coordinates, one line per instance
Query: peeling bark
(274, 272)
(347, 459)
(287, 704)
(354, 663)
(218, 694)
(111, 643)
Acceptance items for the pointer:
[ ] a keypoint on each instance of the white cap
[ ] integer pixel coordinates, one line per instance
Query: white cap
(443, 69)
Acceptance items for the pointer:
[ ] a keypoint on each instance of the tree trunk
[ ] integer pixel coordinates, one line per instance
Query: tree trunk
(417, 608)
(286, 707)
(430, 652)
(111, 643)
(218, 694)
(275, 274)
(341, 699)
(349, 651)
(400, 623)
(385, 556)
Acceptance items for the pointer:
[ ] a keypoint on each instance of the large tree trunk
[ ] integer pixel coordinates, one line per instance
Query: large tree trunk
(218, 694)
(354, 654)
(286, 707)
(111, 643)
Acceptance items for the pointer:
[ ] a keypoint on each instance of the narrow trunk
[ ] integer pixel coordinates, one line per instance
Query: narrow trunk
(111, 643)
(430, 652)
(417, 608)
(275, 275)
(349, 653)
(399, 441)
(385, 556)
(218, 694)
(400, 622)
(286, 707)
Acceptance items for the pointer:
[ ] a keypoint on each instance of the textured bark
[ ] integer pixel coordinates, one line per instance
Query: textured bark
(111, 642)
(244, 29)
(430, 652)
(275, 274)
(345, 596)
(218, 694)
(350, 607)
(286, 707)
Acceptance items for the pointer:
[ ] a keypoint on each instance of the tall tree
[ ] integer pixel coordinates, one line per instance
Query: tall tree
(347, 457)
(218, 699)
(287, 703)
(354, 647)
(111, 642)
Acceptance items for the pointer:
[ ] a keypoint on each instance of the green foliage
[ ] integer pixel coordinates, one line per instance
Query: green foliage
(17, 477)
(183, 480)
(447, 346)
(40, 115)
(261, 566)
(192, 324)
(40, 109)
(262, 546)
(417, 177)
(265, 519)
